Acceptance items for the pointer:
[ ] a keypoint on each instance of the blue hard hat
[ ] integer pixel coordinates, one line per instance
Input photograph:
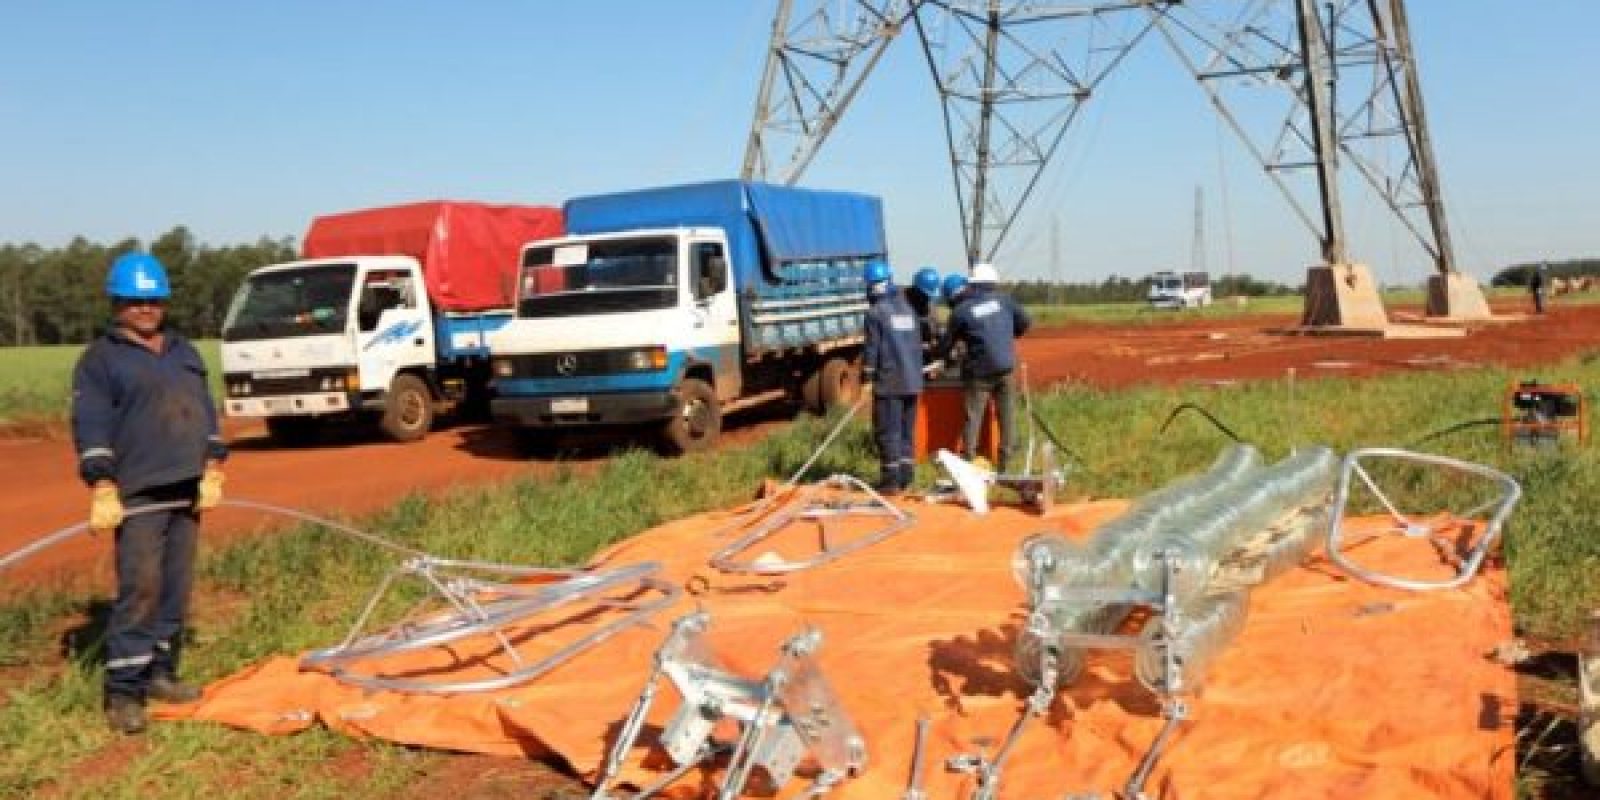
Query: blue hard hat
(953, 284)
(876, 272)
(138, 276)
(927, 281)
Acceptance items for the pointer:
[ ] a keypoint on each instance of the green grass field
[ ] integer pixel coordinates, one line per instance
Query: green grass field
(36, 382)
(273, 595)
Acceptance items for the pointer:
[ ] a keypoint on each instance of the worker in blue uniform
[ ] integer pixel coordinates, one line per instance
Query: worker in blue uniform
(988, 323)
(148, 447)
(892, 361)
(921, 294)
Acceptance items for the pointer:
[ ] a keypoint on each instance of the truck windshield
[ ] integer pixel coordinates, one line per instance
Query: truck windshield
(599, 278)
(300, 302)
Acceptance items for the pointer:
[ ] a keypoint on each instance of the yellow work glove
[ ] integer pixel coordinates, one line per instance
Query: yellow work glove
(105, 508)
(210, 490)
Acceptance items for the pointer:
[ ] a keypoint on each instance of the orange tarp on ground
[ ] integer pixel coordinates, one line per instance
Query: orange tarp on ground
(1335, 689)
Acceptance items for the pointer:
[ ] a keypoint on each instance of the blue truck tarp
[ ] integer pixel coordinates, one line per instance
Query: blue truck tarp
(767, 225)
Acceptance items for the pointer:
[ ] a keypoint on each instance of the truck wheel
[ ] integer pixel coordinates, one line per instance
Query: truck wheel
(811, 392)
(697, 423)
(293, 431)
(408, 410)
(841, 384)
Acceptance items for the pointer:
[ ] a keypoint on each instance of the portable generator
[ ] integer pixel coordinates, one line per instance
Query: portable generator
(1544, 413)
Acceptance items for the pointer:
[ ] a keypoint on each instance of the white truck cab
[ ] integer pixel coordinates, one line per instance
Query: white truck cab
(307, 340)
(609, 325)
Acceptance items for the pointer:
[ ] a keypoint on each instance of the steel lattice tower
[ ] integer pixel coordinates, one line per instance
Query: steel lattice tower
(1340, 80)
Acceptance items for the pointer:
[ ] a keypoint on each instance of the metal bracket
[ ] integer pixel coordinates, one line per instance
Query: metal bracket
(783, 718)
(1468, 560)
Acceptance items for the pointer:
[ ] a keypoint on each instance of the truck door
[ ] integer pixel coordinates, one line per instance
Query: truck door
(714, 315)
(392, 327)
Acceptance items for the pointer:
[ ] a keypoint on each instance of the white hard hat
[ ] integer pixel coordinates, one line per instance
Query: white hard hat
(984, 273)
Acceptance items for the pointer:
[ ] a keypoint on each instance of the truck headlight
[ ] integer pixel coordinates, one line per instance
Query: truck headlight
(239, 389)
(648, 360)
(503, 368)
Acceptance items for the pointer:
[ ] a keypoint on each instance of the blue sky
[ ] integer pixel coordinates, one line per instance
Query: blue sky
(243, 119)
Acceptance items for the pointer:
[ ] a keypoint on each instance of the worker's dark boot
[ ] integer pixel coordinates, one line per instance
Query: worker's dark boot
(125, 714)
(169, 690)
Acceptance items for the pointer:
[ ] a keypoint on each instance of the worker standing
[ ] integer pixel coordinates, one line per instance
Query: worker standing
(1536, 287)
(146, 434)
(987, 322)
(892, 361)
(923, 291)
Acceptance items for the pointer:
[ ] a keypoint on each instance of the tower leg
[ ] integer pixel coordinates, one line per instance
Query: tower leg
(1343, 296)
(1454, 296)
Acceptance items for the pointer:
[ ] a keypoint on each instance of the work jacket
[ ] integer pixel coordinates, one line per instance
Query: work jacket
(893, 356)
(140, 418)
(989, 323)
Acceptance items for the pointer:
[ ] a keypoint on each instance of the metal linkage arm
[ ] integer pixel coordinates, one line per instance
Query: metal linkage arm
(1499, 509)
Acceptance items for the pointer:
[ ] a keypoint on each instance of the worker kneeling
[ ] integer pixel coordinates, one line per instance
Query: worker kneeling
(892, 361)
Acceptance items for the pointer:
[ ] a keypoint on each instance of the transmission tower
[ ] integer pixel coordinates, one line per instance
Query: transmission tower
(1343, 79)
(1012, 78)
(817, 61)
(1337, 83)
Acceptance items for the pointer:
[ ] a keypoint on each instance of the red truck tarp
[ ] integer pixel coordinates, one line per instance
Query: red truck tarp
(469, 251)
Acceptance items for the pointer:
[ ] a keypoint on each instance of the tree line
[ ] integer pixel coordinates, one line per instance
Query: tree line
(1518, 274)
(57, 295)
(1117, 289)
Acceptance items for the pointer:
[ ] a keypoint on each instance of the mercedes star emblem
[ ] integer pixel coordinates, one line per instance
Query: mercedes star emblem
(566, 364)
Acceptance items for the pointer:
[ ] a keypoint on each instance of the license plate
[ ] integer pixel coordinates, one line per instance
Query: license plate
(569, 405)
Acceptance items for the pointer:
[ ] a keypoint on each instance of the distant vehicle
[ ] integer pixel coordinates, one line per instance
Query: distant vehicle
(671, 307)
(386, 319)
(1171, 290)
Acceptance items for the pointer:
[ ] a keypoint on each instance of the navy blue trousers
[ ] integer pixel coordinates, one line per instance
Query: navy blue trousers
(894, 425)
(155, 570)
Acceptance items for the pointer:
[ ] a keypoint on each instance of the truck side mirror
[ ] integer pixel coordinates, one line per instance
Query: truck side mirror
(367, 314)
(712, 277)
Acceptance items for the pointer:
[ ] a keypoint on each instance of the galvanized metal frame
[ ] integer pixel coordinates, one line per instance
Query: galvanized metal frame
(814, 503)
(789, 713)
(1499, 509)
(474, 605)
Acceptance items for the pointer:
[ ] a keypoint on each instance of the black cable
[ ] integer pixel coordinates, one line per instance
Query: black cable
(1182, 407)
(1056, 440)
(1459, 426)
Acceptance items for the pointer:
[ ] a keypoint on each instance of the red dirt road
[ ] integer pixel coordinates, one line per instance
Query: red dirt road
(40, 492)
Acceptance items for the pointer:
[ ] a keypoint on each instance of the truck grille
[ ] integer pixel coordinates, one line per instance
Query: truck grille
(584, 362)
(299, 384)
